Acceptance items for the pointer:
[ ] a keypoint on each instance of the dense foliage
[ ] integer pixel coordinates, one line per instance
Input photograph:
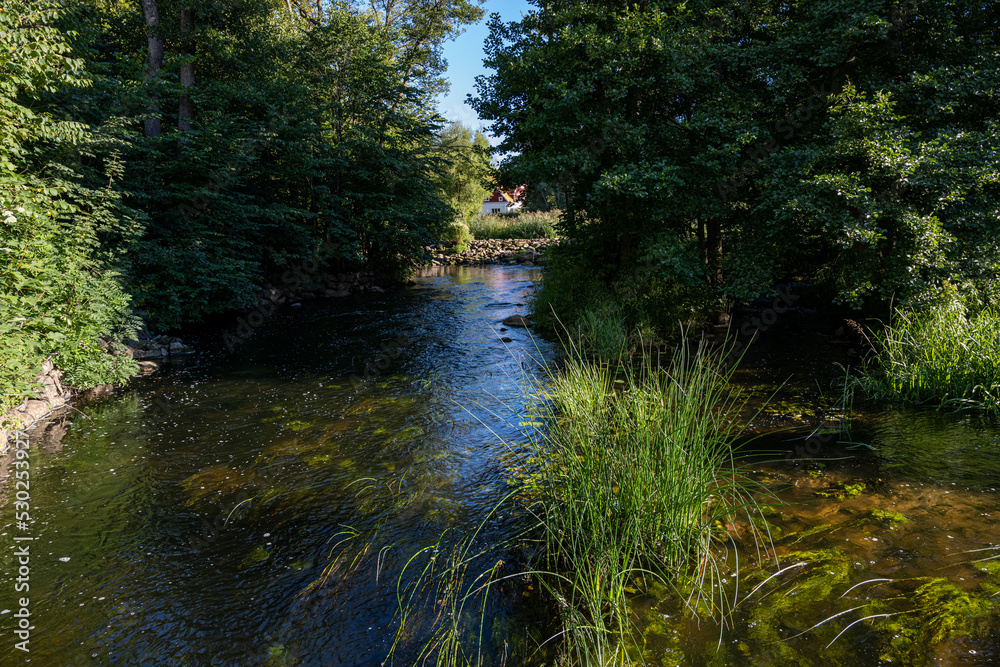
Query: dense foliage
(465, 180)
(736, 145)
(168, 157)
(59, 291)
(944, 355)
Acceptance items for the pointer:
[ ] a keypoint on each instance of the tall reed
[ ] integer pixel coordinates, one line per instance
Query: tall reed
(945, 356)
(517, 225)
(633, 487)
(637, 476)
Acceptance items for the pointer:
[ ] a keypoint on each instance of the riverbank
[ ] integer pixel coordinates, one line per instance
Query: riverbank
(150, 350)
(492, 251)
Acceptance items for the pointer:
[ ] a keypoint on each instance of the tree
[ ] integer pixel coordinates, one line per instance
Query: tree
(738, 145)
(58, 295)
(466, 177)
(419, 29)
(154, 61)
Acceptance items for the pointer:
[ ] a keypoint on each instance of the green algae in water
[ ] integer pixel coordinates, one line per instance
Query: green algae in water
(941, 612)
(888, 519)
(789, 605)
(278, 656)
(256, 555)
(663, 642)
(299, 425)
(318, 460)
(843, 490)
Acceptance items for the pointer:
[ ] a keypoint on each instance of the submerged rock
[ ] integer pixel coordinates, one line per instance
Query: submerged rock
(517, 321)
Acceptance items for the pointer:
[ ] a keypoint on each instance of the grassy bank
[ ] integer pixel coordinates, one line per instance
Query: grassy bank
(517, 225)
(945, 356)
(637, 478)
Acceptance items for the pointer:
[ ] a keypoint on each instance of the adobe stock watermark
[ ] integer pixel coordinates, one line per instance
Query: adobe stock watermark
(373, 367)
(580, 160)
(223, 178)
(21, 466)
(785, 129)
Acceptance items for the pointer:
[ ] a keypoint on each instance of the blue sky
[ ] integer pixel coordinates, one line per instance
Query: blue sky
(465, 61)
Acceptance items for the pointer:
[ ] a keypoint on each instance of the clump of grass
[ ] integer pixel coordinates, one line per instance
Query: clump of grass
(516, 225)
(945, 356)
(602, 332)
(638, 476)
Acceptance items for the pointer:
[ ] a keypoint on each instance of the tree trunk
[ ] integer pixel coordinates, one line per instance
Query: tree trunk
(185, 108)
(154, 61)
(713, 246)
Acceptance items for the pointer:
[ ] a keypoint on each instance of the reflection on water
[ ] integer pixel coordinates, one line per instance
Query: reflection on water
(257, 508)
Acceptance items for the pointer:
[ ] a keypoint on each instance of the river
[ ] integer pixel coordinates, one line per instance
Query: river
(258, 506)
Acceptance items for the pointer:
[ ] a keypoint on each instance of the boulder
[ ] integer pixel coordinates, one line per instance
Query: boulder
(178, 347)
(138, 353)
(35, 409)
(517, 321)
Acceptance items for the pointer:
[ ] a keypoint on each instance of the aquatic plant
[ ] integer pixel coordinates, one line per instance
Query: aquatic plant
(636, 477)
(946, 356)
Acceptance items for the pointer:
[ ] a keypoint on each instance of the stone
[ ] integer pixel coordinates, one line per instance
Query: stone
(35, 409)
(139, 353)
(178, 347)
(505, 339)
(376, 288)
(517, 321)
(147, 367)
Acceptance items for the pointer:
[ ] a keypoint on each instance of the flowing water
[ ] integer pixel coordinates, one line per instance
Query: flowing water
(191, 518)
(261, 506)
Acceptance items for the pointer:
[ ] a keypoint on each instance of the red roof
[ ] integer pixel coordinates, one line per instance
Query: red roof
(509, 196)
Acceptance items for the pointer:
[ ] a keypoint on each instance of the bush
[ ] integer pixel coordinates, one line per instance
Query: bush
(515, 225)
(457, 232)
(612, 312)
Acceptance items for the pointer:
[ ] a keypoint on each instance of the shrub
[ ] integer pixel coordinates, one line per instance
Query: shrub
(647, 302)
(457, 232)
